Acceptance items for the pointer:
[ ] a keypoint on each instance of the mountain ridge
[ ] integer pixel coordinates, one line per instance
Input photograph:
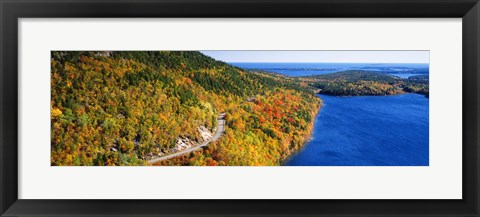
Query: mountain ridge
(118, 108)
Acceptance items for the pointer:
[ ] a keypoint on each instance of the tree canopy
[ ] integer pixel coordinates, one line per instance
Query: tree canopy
(125, 107)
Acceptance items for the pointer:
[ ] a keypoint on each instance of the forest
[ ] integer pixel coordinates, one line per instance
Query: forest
(126, 107)
(361, 83)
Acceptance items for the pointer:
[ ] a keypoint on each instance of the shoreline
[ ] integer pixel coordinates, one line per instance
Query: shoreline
(311, 125)
(403, 93)
(318, 113)
(338, 139)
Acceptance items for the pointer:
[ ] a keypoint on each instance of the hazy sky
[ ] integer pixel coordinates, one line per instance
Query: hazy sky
(322, 56)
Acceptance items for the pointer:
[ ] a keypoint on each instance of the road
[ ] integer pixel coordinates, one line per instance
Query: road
(215, 137)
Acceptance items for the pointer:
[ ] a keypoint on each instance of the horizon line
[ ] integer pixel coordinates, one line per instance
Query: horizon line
(330, 62)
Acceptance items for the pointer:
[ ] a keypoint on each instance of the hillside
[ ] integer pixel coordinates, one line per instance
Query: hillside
(124, 108)
(360, 83)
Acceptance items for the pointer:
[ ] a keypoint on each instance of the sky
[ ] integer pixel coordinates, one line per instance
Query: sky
(321, 56)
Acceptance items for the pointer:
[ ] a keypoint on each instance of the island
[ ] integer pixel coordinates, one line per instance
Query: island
(367, 83)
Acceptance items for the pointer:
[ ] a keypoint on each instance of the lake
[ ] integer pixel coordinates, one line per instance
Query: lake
(307, 69)
(368, 131)
(404, 75)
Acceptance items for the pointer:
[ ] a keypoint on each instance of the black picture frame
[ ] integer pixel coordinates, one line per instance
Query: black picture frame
(11, 11)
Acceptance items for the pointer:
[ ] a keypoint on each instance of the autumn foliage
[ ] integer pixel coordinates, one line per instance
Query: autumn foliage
(123, 108)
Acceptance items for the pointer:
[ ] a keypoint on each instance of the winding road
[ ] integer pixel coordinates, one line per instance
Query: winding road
(215, 137)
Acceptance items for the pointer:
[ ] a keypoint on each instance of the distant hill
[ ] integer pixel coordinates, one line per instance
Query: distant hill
(355, 76)
(419, 78)
(357, 83)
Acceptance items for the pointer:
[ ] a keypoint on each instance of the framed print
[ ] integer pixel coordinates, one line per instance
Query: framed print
(179, 108)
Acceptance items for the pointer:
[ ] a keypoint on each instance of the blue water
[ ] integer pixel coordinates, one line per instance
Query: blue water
(368, 131)
(404, 75)
(306, 69)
